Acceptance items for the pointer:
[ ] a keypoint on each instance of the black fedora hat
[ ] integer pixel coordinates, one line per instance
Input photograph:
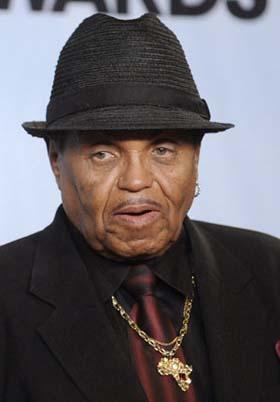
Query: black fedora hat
(123, 75)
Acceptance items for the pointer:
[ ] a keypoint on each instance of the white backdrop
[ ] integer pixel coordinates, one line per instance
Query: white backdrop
(236, 64)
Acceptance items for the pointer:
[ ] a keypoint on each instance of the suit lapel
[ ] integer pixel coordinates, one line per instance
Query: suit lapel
(233, 318)
(78, 332)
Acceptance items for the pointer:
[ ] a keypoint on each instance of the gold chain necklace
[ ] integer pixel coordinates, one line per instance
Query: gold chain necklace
(168, 364)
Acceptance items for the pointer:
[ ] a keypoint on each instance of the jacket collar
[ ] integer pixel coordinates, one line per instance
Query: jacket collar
(57, 266)
(232, 315)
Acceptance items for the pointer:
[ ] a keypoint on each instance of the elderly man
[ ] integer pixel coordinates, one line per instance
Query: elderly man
(123, 298)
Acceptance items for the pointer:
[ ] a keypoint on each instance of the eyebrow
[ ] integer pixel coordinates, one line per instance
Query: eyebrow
(96, 139)
(165, 139)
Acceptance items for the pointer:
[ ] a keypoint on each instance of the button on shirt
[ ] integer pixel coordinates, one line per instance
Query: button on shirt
(174, 269)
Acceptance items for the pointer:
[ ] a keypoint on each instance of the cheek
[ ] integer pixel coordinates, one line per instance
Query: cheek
(77, 187)
(90, 192)
(178, 186)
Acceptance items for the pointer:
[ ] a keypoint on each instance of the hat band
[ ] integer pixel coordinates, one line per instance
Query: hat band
(125, 94)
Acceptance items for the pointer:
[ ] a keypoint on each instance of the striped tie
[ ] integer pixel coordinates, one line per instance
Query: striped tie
(150, 317)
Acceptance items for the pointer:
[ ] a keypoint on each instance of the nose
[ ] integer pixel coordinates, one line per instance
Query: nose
(136, 174)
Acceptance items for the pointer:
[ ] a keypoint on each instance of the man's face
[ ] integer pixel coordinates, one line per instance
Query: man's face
(127, 193)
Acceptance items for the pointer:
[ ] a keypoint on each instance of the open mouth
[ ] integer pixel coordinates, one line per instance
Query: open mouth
(137, 214)
(145, 211)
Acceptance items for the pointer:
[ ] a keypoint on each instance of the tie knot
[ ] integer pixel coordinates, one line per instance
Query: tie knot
(140, 281)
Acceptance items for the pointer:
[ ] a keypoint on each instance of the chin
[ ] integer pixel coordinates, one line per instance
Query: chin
(137, 249)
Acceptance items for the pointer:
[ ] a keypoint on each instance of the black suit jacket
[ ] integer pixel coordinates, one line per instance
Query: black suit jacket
(57, 344)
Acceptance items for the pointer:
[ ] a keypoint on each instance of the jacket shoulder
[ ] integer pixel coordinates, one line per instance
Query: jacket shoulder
(232, 235)
(15, 251)
(16, 259)
(259, 251)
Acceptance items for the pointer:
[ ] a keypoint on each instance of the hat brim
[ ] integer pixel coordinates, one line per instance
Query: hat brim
(126, 118)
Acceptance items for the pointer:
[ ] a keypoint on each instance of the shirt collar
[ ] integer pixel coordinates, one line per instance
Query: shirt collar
(173, 267)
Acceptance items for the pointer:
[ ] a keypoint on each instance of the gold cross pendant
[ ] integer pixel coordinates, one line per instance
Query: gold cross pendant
(179, 371)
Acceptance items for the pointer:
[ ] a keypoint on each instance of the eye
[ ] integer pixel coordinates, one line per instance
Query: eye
(162, 151)
(102, 155)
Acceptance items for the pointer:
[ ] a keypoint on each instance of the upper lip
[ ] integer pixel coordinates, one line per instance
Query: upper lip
(136, 209)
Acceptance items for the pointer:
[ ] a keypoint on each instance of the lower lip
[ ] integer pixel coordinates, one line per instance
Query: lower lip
(144, 219)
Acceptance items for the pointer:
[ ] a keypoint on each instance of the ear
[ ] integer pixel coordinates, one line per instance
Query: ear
(55, 159)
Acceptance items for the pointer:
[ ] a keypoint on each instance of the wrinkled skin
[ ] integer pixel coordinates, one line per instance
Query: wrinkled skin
(128, 193)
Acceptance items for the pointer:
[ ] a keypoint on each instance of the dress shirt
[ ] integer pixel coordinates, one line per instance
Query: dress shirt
(175, 270)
